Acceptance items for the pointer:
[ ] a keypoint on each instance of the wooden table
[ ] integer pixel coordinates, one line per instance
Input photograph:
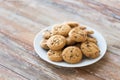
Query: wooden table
(21, 20)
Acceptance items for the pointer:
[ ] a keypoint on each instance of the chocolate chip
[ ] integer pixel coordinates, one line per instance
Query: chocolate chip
(96, 53)
(82, 48)
(52, 43)
(75, 36)
(71, 56)
(53, 53)
(77, 55)
(88, 45)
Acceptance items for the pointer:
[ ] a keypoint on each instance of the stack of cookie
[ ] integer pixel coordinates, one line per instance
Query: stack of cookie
(69, 42)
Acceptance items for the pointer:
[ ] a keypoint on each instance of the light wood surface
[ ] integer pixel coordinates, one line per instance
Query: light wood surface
(21, 20)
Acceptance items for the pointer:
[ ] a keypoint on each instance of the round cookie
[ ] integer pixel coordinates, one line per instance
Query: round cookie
(56, 42)
(72, 24)
(72, 54)
(55, 55)
(62, 29)
(69, 41)
(91, 39)
(82, 27)
(43, 44)
(90, 49)
(46, 34)
(78, 35)
(89, 32)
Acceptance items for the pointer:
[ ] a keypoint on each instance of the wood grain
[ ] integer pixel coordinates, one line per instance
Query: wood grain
(20, 20)
(6, 74)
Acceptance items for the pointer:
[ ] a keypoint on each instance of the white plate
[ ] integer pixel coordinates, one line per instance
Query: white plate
(43, 53)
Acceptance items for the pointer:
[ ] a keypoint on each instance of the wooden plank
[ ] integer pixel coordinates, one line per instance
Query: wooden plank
(107, 68)
(104, 9)
(112, 3)
(6, 74)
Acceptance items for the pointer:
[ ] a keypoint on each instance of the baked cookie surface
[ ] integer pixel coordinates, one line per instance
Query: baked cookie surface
(72, 24)
(43, 44)
(46, 34)
(91, 39)
(62, 29)
(72, 54)
(56, 42)
(55, 55)
(90, 49)
(78, 35)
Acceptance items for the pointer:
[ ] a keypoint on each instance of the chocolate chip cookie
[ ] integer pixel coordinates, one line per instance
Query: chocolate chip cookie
(72, 54)
(91, 39)
(43, 44)
(47, 34)
(56, 42)
(89, 32)
(62, 29)
(90, 49)
(72, 24)
(55, 55)
(78, 35)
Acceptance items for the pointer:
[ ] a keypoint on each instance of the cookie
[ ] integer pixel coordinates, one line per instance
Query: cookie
(90, 49)
(72, 24)
(46, 34)
(69, 41)
(78, 35)
(56, 42)
(82, 27)
(55, 55)
(62, 29)
(43, 44)
(72, 54)
(91, 39)
(90, 32)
